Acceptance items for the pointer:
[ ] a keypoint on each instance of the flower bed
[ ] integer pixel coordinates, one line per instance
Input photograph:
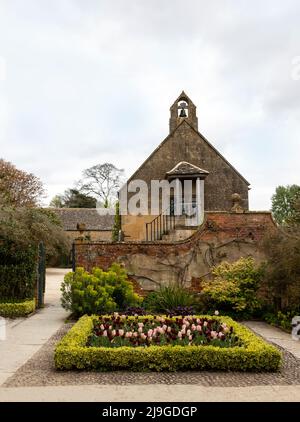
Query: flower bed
(17, 309)
(221, 344)
(121, 330)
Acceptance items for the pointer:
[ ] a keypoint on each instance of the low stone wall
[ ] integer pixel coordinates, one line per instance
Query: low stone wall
(223, 236)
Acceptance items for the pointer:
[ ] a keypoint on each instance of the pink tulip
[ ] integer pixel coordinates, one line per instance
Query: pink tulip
(102, 327)
(205, 323)
(193, 327)
(113, 333)
(105, 333)
(140, 329)
(213, 334)
(140, 324)
(169, 329)
(150, 332)
(165, 327)
(199, 328)
(135, 334)
(180, 334)
(188, 333)
(121, 333)
(143, 336)
(190, 338)
(220, 334)
(110, 327)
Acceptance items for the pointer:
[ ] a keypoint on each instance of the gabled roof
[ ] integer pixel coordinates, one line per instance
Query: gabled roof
(203, 137)
(92, 220)
(185, 168)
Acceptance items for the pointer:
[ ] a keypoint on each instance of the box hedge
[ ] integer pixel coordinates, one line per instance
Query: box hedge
(256, 355)
(17, 309)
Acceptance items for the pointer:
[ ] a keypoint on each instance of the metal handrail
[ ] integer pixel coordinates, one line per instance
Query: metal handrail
(164, 222)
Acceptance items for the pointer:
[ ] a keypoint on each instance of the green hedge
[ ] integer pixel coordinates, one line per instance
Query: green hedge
(17, 271)
(256, 355)
(17, 309)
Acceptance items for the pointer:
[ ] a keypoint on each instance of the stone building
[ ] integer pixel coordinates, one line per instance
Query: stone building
(85, 224)
(185, 154)
(180, 248)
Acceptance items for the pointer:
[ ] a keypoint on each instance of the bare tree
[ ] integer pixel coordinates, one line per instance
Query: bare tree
(103, 182)
(18, 188)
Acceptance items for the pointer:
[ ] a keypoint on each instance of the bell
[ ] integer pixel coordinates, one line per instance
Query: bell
(182, 113)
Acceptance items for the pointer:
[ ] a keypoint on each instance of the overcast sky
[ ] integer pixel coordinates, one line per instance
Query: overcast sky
(88, 81)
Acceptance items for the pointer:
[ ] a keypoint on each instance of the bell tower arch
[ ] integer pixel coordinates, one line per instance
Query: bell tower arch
(183, 109)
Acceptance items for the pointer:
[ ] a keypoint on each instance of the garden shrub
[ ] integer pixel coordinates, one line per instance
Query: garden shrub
(168, 298)
(17, 271)
(17, 309)
(99, 291)
(254, 354)
(281, 319)
(234, 287)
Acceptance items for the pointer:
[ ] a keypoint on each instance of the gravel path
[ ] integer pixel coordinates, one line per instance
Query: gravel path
(40, 371)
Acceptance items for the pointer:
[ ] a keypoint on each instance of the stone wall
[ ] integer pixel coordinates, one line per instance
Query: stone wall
(93, 235)
(223, 236)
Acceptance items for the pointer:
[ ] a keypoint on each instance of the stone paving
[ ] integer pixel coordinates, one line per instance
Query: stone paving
(27, 368)
(25, 336)
(40, 371)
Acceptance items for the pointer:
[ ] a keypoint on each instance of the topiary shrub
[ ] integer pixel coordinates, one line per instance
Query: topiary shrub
(234, 287)
(98, 292)
(73, 351)
(17, 308)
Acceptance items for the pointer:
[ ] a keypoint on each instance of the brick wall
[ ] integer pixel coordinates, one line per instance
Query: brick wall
(223, 236)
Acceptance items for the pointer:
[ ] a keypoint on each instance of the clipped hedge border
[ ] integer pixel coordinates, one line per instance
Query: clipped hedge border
(256, 355)
(17, 309)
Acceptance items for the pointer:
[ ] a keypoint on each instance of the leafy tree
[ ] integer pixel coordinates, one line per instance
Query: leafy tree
(286, 204)
(18, 188)
(72, 198)
(25, 227)
(103, 182)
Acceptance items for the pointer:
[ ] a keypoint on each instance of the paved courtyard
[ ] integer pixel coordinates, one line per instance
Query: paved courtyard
(27, 372)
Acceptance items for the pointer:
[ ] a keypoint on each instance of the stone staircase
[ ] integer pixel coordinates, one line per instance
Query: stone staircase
(181, 230)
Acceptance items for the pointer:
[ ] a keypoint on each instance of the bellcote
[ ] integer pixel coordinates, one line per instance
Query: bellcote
(183, 109)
